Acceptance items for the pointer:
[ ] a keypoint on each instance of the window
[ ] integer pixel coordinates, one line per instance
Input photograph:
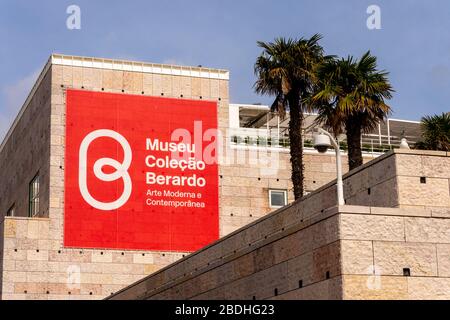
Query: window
(34, 197)
(11, 212)
(277, 198)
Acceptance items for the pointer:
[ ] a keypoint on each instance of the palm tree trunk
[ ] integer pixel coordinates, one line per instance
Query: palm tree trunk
(295, 136)
(353, 130)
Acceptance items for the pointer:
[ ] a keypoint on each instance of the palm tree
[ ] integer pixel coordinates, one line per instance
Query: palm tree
(435, 133)
(351, 96)
(286, 69)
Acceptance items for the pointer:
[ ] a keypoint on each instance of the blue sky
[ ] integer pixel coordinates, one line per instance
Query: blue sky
(413, 44)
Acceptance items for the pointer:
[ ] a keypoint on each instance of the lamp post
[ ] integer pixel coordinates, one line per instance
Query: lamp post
(322, 142)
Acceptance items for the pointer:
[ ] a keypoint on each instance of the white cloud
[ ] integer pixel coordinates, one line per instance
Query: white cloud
(14, 96)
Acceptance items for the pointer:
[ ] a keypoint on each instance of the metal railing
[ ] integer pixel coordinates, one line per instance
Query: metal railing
(274, 142)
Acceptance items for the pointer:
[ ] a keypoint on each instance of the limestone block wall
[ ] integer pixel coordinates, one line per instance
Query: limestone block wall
(312, 250)
(37, 266)
(388, 254)
(398, 179)
(25, 152)
(348, 252)
(408, 249)
(33, 261)
(245, 182)
(320, 169)
(251, 262)
(101, 272)
(424, 180)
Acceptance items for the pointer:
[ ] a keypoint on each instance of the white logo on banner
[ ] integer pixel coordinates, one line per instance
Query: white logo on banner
(120, 173)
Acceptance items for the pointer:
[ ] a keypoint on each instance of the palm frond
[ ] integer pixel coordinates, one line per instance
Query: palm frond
(435, 132)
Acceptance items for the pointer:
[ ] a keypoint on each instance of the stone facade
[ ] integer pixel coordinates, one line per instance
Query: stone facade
(33, 261)
(26, 152)
(393, 248)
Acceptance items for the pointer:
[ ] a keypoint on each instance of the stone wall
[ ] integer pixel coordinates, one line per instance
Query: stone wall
(25, 152)
(244, 186)
(421, 173)
(398, 179)
(409, 252)
(347, 252)
(36, 266)
(35, 263)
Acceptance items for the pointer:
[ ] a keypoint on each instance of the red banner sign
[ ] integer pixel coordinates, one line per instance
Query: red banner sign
(141, 172)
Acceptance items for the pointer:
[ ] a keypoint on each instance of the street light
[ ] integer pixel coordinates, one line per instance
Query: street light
(322, 142)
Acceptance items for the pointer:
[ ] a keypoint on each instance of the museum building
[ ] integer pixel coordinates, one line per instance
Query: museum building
(115, 169)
